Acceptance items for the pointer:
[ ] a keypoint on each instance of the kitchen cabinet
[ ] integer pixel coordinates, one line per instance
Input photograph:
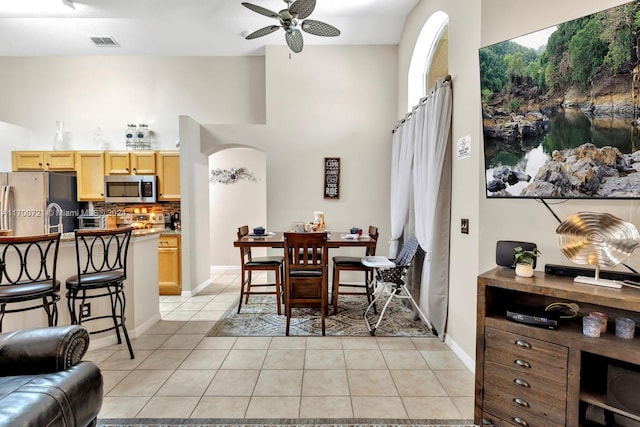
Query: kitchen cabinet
(533, 376)
(42, 160)
(168, 170)
(90, 175)
(130, 163)
(169, 275)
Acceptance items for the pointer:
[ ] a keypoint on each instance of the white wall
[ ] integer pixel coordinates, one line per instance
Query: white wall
(237, 204)
(110, 92)
(490, 220)
(464, 31)
(528, 220)
(346, 110)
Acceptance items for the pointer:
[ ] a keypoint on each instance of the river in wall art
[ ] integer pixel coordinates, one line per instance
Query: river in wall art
(561, 109)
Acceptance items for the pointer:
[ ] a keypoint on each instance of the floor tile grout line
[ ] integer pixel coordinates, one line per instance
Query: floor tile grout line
(222, 293)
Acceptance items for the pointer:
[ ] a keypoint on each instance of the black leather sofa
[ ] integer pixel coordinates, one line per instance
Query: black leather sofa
(43, 381)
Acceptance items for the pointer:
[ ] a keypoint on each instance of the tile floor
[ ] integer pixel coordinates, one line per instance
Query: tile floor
(178, 372)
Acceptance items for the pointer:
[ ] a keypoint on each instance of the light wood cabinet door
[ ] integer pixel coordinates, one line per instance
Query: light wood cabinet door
(168, 170)
(90, 173)
(117, 163)
(59, 160)
(169, 275)
(43, 160)
(143, 163)
(27, 160)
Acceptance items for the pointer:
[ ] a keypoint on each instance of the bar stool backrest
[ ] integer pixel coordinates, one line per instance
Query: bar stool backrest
(102, 251)
(29, 259)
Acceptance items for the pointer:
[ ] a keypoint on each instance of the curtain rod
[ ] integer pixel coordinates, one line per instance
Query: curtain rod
(407, 116)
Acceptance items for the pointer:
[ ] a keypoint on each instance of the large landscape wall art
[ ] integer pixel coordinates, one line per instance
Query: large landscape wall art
(561, 109)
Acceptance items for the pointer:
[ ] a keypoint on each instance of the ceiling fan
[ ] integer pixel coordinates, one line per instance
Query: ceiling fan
(298, 9)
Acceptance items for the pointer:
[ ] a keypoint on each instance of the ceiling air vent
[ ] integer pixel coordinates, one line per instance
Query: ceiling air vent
(104, 41)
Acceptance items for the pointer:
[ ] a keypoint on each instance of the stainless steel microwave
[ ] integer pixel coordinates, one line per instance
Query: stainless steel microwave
(130, 189)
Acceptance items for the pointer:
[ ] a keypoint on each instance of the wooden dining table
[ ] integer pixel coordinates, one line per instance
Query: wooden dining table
(335, 239)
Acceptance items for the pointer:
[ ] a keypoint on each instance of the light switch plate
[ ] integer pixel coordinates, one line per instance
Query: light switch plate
(464, 226)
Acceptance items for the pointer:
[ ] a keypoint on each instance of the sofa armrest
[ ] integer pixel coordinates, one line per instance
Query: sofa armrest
(42, 350)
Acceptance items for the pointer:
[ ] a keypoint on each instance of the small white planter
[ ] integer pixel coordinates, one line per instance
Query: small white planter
(524, 270)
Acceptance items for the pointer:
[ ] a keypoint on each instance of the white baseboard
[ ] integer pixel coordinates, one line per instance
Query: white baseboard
(197, 290)
(214, 268)
(468, 361)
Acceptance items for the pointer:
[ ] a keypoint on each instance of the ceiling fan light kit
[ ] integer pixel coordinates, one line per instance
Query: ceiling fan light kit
(289, 22)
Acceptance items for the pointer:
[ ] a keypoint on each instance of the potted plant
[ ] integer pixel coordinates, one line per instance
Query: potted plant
(524, 260)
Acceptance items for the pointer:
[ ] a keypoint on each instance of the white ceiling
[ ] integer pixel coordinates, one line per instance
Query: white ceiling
(183, 27)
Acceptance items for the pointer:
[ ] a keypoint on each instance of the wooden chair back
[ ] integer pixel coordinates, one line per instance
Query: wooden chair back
(306, 276)
(373, 233)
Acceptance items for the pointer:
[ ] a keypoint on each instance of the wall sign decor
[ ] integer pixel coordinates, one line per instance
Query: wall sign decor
(332, 177)
(230, 176)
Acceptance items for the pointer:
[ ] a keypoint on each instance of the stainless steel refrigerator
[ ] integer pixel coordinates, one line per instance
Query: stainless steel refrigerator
(39, 202)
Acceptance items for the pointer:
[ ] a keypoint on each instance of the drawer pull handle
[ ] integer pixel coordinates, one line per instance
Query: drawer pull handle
(521, 402)
(522, 363)
(523, 344)
(521, 382)
(520, 421)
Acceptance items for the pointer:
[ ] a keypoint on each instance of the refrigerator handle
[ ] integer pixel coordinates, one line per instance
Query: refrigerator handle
(4, 223)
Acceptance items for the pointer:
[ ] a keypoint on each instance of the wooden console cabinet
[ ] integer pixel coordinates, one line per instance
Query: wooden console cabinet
(533, 376)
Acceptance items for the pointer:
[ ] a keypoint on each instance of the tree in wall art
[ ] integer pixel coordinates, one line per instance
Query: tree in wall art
(561, 109)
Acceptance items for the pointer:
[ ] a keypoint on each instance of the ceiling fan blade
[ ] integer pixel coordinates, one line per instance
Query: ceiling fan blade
(262, 32)
(294, 40)
(319, 28)
(302, 8)
(261, 10)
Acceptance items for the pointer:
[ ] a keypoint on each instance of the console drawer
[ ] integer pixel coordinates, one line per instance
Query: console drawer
(505, 412)
(526, 396)
(526, 354)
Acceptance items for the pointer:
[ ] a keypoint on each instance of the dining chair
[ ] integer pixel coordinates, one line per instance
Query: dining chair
(101, 262)
(28, 275)
(352, 263)
(305, 277)
(249, 264)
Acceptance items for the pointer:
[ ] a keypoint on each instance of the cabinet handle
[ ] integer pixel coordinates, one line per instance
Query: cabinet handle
(522, 383)
(522, 363)
(523, 344)
(521, 402)
(48, 164)
(520, 421)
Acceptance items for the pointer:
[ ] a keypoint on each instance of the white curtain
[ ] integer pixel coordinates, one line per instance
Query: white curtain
(432, 120)
(401, 162)
(421, 171)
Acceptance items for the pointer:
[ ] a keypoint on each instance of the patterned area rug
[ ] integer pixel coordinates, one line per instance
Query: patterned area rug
(355, 422)
(259, 318)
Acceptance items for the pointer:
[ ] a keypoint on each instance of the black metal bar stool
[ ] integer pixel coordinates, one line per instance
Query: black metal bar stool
(28, 275)
(101, 257)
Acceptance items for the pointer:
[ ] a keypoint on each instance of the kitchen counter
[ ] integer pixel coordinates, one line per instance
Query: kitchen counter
(141, 290)
(70, 236)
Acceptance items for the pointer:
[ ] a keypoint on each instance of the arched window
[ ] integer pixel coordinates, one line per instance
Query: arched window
(430, 57)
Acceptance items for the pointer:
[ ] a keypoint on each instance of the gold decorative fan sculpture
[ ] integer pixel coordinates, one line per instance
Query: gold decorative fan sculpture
(598, 239)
